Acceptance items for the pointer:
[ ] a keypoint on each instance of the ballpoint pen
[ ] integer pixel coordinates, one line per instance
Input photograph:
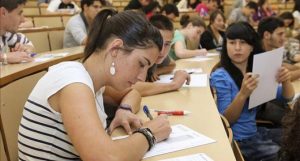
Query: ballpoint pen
(33, 54)
(147, 112)
(188, 73)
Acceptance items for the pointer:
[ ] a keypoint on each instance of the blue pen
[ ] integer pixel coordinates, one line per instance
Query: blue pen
(33, 54)
(147, 112)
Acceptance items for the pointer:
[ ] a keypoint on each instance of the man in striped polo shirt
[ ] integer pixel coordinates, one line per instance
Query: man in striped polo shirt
(14, 47)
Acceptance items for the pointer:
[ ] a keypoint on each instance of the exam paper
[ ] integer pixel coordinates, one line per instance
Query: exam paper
(46, 57)
(194, 157)
(266, 65)
(197, 80)
(190, 70)
(180, 138)
(199, 59)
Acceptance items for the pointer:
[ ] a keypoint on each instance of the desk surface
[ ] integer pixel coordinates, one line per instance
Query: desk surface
(204, 118)
(12, 72)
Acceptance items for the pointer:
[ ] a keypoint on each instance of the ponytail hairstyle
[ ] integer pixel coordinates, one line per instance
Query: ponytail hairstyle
(195, 20)
(129, 26)
(243, 31)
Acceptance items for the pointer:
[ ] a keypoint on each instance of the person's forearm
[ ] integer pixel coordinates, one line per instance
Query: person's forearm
(133, 98)
(233, 111)
(186, 53)
(288, 90)
(149, 88)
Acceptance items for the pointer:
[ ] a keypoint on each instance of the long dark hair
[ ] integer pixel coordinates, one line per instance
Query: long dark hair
(130, 26)
(243, 31)
(297, 6)
(291, 134)
(212, 18)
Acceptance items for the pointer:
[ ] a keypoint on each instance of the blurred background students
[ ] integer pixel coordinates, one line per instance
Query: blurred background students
(192, 29)
(170, 10)
(78, 26)
(214, 34)
(63, 6)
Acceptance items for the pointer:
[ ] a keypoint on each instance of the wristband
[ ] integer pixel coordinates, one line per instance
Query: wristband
(125, 107)
(149, 136)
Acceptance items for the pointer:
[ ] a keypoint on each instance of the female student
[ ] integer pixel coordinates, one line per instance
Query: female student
(64, 116)
(214, 35)
(291, 134)
(234, 83)
(192, 29)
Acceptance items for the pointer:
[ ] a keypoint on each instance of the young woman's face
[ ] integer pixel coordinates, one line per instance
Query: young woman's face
(195, 32)
(218, 23)
(167, 37)
(132, 67)
(238, 50)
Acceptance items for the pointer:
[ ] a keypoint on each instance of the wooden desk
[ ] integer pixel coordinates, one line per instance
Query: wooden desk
(10, 73)
(16, 82)
(204, 117)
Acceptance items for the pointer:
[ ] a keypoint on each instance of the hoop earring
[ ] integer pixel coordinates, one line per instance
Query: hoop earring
(112, 69)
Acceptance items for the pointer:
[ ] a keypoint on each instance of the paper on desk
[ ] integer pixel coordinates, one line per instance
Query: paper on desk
(180, 138)
(191, 70)
(194, 157)
(197, 80)
(46, 57)
(200, 59)
(266, 65)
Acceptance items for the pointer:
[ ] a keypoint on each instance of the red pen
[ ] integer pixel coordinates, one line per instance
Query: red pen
(175, 113)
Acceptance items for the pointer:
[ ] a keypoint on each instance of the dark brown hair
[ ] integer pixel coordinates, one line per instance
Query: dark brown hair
(130, 26)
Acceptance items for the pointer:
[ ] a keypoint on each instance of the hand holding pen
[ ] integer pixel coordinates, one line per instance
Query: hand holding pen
(159, 126)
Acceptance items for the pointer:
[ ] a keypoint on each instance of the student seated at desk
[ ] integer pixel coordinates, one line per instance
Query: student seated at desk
(64, 116)
(63, 6)
(192, 29)
(234, 83)
(214, 35)
(14, 47)
(165, 27)
(78, 26)
(206, 7)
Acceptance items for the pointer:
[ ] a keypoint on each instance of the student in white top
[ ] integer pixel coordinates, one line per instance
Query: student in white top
(64, 118)
(63, 6)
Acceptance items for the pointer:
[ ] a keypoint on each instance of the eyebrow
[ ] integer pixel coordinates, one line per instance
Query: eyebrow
(148, 61)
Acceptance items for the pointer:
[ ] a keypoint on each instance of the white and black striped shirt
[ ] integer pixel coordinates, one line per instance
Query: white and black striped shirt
(41, 132)
(9, 40)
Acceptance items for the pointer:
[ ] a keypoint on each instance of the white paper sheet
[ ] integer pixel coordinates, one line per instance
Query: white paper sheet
(180, 138)
(191, 70)
(46, 57)
(194, 157)
(199, 59)
(266, 65)
(197, 80)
